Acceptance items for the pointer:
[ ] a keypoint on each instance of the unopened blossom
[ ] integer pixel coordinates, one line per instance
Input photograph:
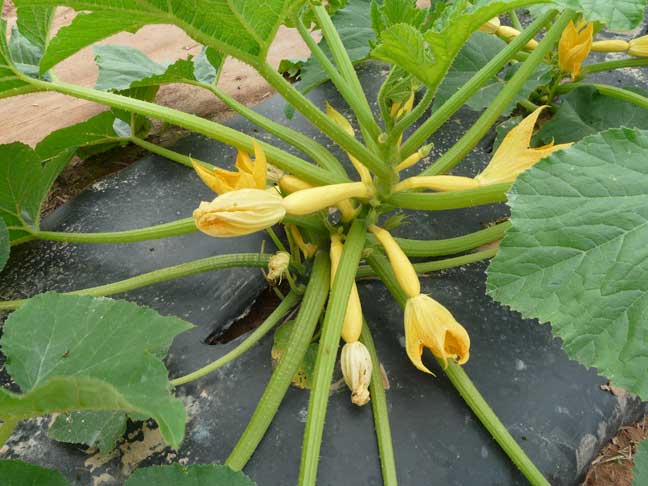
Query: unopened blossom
(574, 46)
(356, 369)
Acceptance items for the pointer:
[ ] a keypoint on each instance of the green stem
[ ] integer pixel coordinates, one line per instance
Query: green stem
(358, 100)
(300, 339)
(298, 140)
(467, 390)
(409, 119)
(435, 266)
(612, 91)
(515, 20)
(323, 122)
(437, 201)
(380, 413)
(327, 352)
(165, 230)
(457, 100)
(202, 265)
(222, 133)
(275, 239)
(616, 64)
(166, 153)
(449, 246)
(272, 320)
(504, 98)
(6, 429)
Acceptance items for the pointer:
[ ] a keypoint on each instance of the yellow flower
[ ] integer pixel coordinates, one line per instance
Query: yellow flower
(415, 157)
(514, 155)
(574, 46)
(403, 269)
(250, 175)
(430, 325)
(352, 326)
(278, 266)
(638, 47)
(240, 212)
(356, 369)
(314, 199)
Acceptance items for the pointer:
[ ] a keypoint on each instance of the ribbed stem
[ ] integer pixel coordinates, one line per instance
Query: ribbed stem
(438, 201)
(327, 352)
(300, 338)
(166, 153)
(271, 321)
(612, 91)
(616, 64)
(203, 265)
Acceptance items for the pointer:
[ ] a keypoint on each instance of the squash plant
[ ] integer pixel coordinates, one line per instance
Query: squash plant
(571, 253)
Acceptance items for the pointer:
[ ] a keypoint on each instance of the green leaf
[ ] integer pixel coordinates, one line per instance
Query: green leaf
(576, 254)
(5, 244)
(35, 24)
(196, 475)
(393, 12)
(304, 374)
(242, 28)
(584, 111)
(114, 341)
(18, 473)
(10, 82)
(640, 469)
(98, 428)
(24, 183)
(616, 14)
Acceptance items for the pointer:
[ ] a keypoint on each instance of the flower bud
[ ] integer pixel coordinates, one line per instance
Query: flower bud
(239, 213)
(278, 266)
(415, 157)
(356, 369)
(638, 47)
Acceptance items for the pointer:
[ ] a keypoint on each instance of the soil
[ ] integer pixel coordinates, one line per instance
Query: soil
(41, 113)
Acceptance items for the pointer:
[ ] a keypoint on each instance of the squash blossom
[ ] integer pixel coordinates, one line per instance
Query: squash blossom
(250, 175)
(240, 212)
(638, 47)
(356, 369)
(352, 326)
(512, 157)
(278, 266)
(428, 324)
(574, 46)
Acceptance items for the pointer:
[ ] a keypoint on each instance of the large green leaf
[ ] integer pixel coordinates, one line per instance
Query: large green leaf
(10, 82)
(97, 428)
(24, 183)
(240, 28)
(5, 244)
(116, 342)
(576, 255)
(640, 469)
(18, 473)
(35, 24)
(616, 14)
(584, 111)
(196, 475)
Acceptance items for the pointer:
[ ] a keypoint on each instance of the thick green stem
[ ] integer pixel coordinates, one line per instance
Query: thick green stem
(271, 321)
(616, 64)
(300, 338)
(612, 91)
(203, 265)
(437, 201)
(436, 265)
(222, 133)
(457, 100)
(449, 246)
(504, 98)
(515, 21)
(6, 429)
(166, 153)
(298, 140)
(327, 352)
(323, 122)
(358, 100)
(467, 390)
(380, 413)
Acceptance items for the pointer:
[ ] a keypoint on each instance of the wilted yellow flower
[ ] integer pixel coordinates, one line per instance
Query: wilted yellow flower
(574, 46)
(638, 47)
(430, 325)
(311, 200)
(278, 266)
(403, 269)
(356, 369)
(250, 175)
(515, 155)
(240, 212)
(352, 326)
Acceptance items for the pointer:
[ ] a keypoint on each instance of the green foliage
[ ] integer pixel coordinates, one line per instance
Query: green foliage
(196, 475)
(96, 428)
(584, 111)
(4, 244)
(24, 183)
(11, 83)
(18, 473)
(304, 374)
(56, 345)
(640, 469)
(34, 23)
(616, 14)
(243, 29)
(576, 254)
